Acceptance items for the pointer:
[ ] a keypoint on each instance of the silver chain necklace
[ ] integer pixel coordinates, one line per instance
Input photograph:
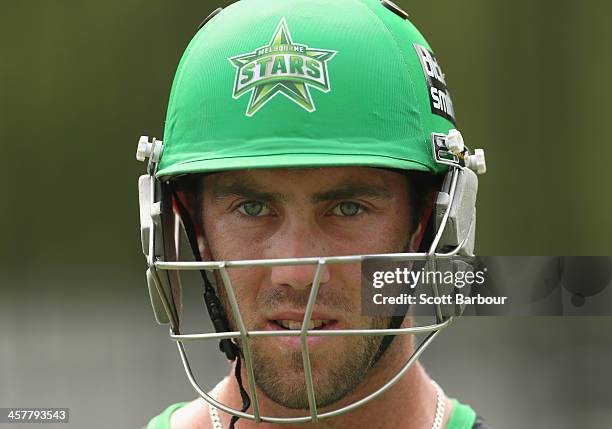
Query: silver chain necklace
(437, 423)
(440, 407)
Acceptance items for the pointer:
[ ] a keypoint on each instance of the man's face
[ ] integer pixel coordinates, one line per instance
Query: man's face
(296, 213)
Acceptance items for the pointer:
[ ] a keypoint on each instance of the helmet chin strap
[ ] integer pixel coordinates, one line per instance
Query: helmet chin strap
(215, 308)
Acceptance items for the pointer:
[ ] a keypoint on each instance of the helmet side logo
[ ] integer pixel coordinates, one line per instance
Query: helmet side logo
(439, 97)
(281, 67)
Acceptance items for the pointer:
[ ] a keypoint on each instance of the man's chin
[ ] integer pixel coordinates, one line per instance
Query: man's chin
(285, 384)
(290, 391)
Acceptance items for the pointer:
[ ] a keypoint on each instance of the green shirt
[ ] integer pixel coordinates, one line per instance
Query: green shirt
(463, 417)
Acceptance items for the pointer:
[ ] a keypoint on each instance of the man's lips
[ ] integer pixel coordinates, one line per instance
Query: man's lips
(293, 321)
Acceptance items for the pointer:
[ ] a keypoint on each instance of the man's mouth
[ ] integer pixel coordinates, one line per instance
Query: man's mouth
(297, 325)
(292, 321)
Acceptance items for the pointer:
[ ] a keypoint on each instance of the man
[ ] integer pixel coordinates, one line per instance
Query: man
(281, 197)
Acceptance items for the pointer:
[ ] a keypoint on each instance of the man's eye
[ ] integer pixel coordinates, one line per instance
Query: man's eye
(348, 208)
(254, 208)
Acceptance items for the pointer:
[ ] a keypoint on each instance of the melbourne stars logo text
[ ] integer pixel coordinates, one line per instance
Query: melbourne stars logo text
(281, 67)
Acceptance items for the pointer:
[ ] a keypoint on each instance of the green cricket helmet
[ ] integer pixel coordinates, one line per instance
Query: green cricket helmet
(306, 83)
(302, 83)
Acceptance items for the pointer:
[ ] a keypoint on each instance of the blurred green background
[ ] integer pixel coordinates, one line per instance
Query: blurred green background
(81, 81)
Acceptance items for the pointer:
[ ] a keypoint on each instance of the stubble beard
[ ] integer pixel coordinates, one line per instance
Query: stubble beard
(335, 375)
(280, 374)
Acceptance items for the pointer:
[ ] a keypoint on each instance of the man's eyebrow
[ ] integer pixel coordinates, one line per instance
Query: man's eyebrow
(351, 191)
(240, 189)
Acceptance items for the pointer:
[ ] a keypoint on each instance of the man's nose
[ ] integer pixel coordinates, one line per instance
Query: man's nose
(298, 276)
(296, 242)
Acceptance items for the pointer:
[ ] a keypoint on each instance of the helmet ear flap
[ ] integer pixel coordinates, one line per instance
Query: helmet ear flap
(460, 227)
(458, 232)
(163, 285)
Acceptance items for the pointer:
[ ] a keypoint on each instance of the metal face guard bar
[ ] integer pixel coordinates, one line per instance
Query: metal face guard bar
(314, 416)
(153, 247)
(431, 258)
(303, 333)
